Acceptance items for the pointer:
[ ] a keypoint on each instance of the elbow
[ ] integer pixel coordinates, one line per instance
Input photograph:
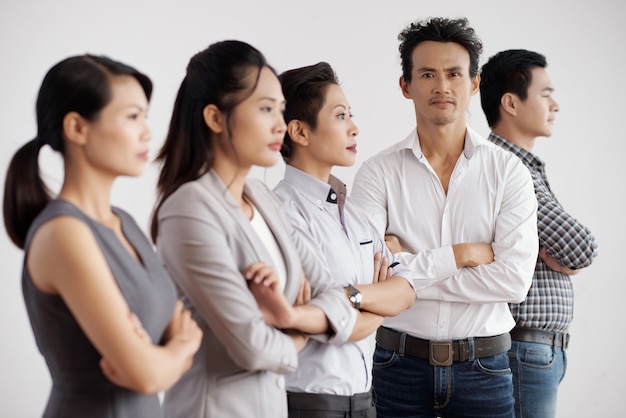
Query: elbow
(149, 384)
(519, 295)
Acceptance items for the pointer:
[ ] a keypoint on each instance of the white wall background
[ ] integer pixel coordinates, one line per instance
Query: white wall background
(584, 43)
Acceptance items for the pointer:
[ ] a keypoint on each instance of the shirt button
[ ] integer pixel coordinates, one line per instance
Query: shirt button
(280, 382)
(319, 202)
(342, 322)
(443, 324)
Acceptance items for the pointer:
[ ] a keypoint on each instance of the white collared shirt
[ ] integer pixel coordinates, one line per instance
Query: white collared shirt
(343, 238)
(490, 199)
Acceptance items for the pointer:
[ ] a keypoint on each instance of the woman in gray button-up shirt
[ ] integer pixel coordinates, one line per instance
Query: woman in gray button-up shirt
(321, 134)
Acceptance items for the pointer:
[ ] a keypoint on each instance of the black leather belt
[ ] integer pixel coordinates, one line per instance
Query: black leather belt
(533, 335)
(442, 352)
(327, 402)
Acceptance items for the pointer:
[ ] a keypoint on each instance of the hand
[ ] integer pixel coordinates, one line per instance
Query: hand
(381, 268)
(554, 265)
(183, 328)
(393, 243)
(304, 294)
(265, 287)
(138, 328)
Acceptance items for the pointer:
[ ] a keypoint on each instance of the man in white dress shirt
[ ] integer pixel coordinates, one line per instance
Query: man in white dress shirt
(463, 212)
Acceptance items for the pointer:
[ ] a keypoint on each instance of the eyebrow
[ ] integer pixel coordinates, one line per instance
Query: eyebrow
(429, 69)
(341, 105)
(548, 89)
(271, 99)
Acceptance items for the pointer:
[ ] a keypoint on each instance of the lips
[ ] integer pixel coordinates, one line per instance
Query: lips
(276, 146)
(352, 148)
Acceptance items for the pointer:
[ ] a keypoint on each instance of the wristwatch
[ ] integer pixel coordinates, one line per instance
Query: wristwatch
(355, 296)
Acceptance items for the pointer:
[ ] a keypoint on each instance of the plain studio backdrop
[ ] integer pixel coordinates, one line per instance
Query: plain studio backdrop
(584, 44)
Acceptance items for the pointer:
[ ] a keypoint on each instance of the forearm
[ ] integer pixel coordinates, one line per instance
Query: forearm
(366, 324)
(309, 319)
(141, 375)
(387, 298)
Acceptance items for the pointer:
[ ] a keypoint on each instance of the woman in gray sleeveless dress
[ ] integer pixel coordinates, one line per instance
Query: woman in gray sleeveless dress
(102, 307)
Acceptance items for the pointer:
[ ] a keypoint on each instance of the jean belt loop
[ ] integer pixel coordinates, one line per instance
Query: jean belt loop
(471, 354)
(402, 343)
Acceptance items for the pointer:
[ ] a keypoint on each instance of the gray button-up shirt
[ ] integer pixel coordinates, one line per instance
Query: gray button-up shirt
(344, 239)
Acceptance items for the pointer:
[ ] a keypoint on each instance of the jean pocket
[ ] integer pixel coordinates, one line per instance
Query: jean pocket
(494, 365)
(538, 355)
(383, 357)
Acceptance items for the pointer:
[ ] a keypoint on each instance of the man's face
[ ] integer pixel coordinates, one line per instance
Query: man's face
(535, 115)
(441, 85)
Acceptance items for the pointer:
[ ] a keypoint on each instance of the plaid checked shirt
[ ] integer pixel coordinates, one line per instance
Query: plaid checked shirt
(550, 301)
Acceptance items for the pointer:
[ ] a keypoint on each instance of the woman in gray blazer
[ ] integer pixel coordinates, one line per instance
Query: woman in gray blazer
(225, 242)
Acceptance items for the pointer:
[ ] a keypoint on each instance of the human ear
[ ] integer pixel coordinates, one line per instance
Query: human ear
(475, 84)
(298, 132)
(508, 103)
(404, 87)
(214, 118)
(75, 128)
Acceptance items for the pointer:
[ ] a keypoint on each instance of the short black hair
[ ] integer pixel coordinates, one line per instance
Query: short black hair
(508, 71)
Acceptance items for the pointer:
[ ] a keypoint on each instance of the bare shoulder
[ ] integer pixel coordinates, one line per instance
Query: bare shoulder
(58, 247)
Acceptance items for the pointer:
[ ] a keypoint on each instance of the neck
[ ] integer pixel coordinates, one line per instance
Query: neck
(319, 170)
(90, 192)
(234, 177)
(516, 137)
(442, 141)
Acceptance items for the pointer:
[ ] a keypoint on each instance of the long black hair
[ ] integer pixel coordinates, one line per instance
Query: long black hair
(79, 84)
(217, 75)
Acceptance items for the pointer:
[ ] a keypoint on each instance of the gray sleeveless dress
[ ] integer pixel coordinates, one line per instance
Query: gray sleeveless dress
(79, 389)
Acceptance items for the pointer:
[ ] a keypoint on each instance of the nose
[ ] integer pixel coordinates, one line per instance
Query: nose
(442, 85)
(146, 134)
(354, 130)
(554, 106)
(281, 126)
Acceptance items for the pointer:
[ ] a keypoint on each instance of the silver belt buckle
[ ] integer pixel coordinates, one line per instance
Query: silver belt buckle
(440, 353)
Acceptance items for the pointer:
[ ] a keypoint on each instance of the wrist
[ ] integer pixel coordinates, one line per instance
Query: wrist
(354, 296)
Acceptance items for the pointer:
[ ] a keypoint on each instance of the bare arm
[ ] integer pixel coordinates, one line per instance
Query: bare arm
(65, 259)
(366, 324)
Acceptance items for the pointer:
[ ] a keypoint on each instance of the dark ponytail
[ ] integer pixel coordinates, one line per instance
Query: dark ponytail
(25, 193)
(218, 76)
(77, 84)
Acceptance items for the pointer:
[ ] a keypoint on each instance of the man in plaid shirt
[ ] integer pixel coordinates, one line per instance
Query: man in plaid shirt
(516, 96)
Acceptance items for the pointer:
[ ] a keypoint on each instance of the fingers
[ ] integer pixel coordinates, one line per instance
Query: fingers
(384, 269)
(138, 328)
(381, 268)
(377, 265)
(260, 273)
(304, 293)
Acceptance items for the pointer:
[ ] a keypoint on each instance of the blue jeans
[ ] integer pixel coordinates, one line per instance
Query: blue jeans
(537, 371)
(406, 386)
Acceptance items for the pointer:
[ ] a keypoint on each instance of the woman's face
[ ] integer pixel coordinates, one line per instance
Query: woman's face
(117, 141)
(333, 142)
(257, 124)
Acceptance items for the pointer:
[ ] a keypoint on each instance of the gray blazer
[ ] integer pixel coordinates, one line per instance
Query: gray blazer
(205, 241)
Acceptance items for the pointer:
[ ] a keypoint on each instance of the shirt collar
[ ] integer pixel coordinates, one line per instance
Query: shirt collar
(472, 141)
(314, 189)
(527, 157)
